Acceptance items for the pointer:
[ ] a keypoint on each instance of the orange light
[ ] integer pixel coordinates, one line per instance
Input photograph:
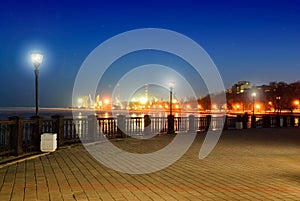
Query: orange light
(106, 101)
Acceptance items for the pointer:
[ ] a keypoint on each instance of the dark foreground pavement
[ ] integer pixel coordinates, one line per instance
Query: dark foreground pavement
(253, 164)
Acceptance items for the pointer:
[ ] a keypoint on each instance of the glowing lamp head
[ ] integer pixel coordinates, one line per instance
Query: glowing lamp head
(37, 59)
(171, 85)
(253, 94)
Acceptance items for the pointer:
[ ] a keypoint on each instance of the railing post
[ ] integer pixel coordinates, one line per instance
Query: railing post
(278, 121)
(239, 122)
(292, 121)
(121, 120)
(191, 123)
(59, 129)
(253, 121)
(284, 119)
(92, 127)
(208, 120)
(266, 120)
(16, 135)
(147, 124)
(37, 131)
(245, 119)
(225, 125)
(171, 124)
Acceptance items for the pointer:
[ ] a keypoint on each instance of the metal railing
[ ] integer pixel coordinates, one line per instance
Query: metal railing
(19, 136)
(6, 137)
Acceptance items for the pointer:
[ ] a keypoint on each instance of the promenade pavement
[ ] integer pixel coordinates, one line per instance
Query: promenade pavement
(252, 164)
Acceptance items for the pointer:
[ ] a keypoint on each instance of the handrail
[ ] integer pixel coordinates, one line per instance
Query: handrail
(19, 135)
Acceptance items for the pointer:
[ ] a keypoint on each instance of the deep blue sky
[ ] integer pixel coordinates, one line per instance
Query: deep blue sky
(257, 41)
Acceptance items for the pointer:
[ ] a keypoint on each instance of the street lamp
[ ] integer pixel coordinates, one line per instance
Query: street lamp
(37, 59)
(171, 117)
(253, 118)
(171, 84)
(253, 101)
(278, 103)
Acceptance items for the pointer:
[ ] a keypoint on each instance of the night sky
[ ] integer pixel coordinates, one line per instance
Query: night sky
(258, 41)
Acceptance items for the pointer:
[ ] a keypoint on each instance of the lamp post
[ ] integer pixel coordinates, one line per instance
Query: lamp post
(278, 118)
(171, 96)
(253, 118)
(278, 103)
(171, 116)
(253, 101)
(37, 59)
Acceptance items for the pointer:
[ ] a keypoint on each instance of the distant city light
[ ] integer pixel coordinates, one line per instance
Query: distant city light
(143, 100)
(106, 101)
(296, 102)
(215, 106)
(149, 100)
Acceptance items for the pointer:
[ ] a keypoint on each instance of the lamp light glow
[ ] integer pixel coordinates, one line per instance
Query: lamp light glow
(37, 59)
(171, 85)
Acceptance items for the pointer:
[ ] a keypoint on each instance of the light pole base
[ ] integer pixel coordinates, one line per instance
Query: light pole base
(171, 124)
(253, 121)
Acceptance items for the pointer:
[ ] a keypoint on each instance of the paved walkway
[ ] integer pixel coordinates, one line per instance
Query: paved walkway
(253, 164)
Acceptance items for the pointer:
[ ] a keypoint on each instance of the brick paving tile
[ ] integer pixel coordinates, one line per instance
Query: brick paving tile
(252, 164)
